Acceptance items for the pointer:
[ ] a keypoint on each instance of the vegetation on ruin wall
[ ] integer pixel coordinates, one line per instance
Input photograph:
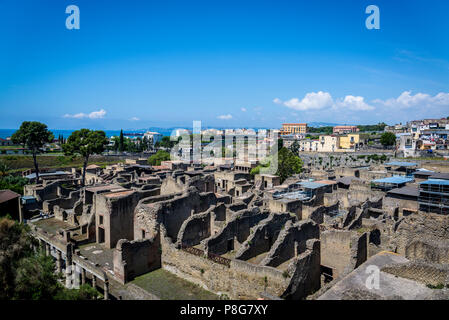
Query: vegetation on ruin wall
(20, 163)
(26, 275)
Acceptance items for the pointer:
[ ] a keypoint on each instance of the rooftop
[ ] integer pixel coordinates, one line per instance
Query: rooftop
(47, 174)
(7, 195)
(436, 181)
(394, 180)
(405, 191)
(401, 164)
(311, 185)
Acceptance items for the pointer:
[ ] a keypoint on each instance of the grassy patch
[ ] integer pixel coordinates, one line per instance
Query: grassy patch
(19, 163)
(167, 286)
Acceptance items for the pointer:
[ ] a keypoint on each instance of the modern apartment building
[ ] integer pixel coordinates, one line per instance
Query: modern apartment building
(293, 128)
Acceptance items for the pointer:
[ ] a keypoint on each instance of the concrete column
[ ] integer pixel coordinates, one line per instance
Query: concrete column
(68, 270)
(83, 276)
(106, 289)
(58, 261)
(42, 245)
(47, 249)
(94, 281)
(20, 210)
(76, 277)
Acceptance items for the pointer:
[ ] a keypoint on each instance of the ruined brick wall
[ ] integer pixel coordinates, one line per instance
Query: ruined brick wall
(195, 228)
(430, 251)
(291, 242)
(342, 249)
(241, 280)
(263, 236)
(172, 211)
(335, 250)
(391, 204)
(134, 258)
(62, 203)
(306, 272)
(237, 230)
(426, 273)
(426, 227)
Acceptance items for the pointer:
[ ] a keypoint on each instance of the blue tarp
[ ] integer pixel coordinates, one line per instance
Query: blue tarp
(436, 181)
(312, 185)
(394, 180)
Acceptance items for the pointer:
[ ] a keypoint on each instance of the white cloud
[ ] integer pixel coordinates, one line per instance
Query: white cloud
(277, 101)
(243, 109)
(225, 117)
(134, 119)
(407, 100)
(353, 103)
(93, 115)
(311, 101)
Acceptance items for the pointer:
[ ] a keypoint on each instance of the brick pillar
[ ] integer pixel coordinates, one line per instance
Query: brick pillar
(58, 261)
(68, 270)
(76, 277)
(106, 289)
(94, 281)
(83, 276)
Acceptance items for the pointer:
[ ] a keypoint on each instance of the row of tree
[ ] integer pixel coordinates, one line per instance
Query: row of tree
(34, 135)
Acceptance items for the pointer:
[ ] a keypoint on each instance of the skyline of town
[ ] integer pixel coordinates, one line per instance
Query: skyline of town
(147, 64)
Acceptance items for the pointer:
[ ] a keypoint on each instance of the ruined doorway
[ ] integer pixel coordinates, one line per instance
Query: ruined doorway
(230, 245)
(327, 274)
(100, 235)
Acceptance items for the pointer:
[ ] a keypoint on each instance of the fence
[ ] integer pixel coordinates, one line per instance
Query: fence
(211, 256)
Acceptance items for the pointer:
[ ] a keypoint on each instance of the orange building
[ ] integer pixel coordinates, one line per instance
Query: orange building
(292, 128)
(345, 129)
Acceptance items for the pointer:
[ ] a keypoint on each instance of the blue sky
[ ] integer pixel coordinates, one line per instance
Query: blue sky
(135, 64)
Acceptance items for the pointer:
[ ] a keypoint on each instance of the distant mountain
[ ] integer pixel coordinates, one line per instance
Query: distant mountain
(321, 124)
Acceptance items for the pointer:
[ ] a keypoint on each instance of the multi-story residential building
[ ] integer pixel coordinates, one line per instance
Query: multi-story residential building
(153, 137)
(397, 128)
(325, 143)
(354, 141)
(345, 129)
(293, 128)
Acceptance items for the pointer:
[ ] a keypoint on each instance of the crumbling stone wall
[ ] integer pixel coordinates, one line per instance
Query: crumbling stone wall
(342, 249)
(428, 250)
(62, 203)
(236, 230)
(306, 272)
(291, 242)
(263, 236)
(171, 211)
(196, 228)
(241, 280)
(134, 258)
(424, 272)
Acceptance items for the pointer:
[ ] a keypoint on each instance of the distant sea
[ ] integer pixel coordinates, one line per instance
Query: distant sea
(4, 133)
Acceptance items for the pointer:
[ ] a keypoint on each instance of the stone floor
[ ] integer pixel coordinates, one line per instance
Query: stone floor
(168, 286)
(97, 253)
(51, 225)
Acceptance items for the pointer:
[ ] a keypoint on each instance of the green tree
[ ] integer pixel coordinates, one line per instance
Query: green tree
(388, 139)
(85, 142)
(3, 169)
(121, 144)
(156, 159)
(33, 135)
(295, 148)
(25, 275)
(288, 164)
